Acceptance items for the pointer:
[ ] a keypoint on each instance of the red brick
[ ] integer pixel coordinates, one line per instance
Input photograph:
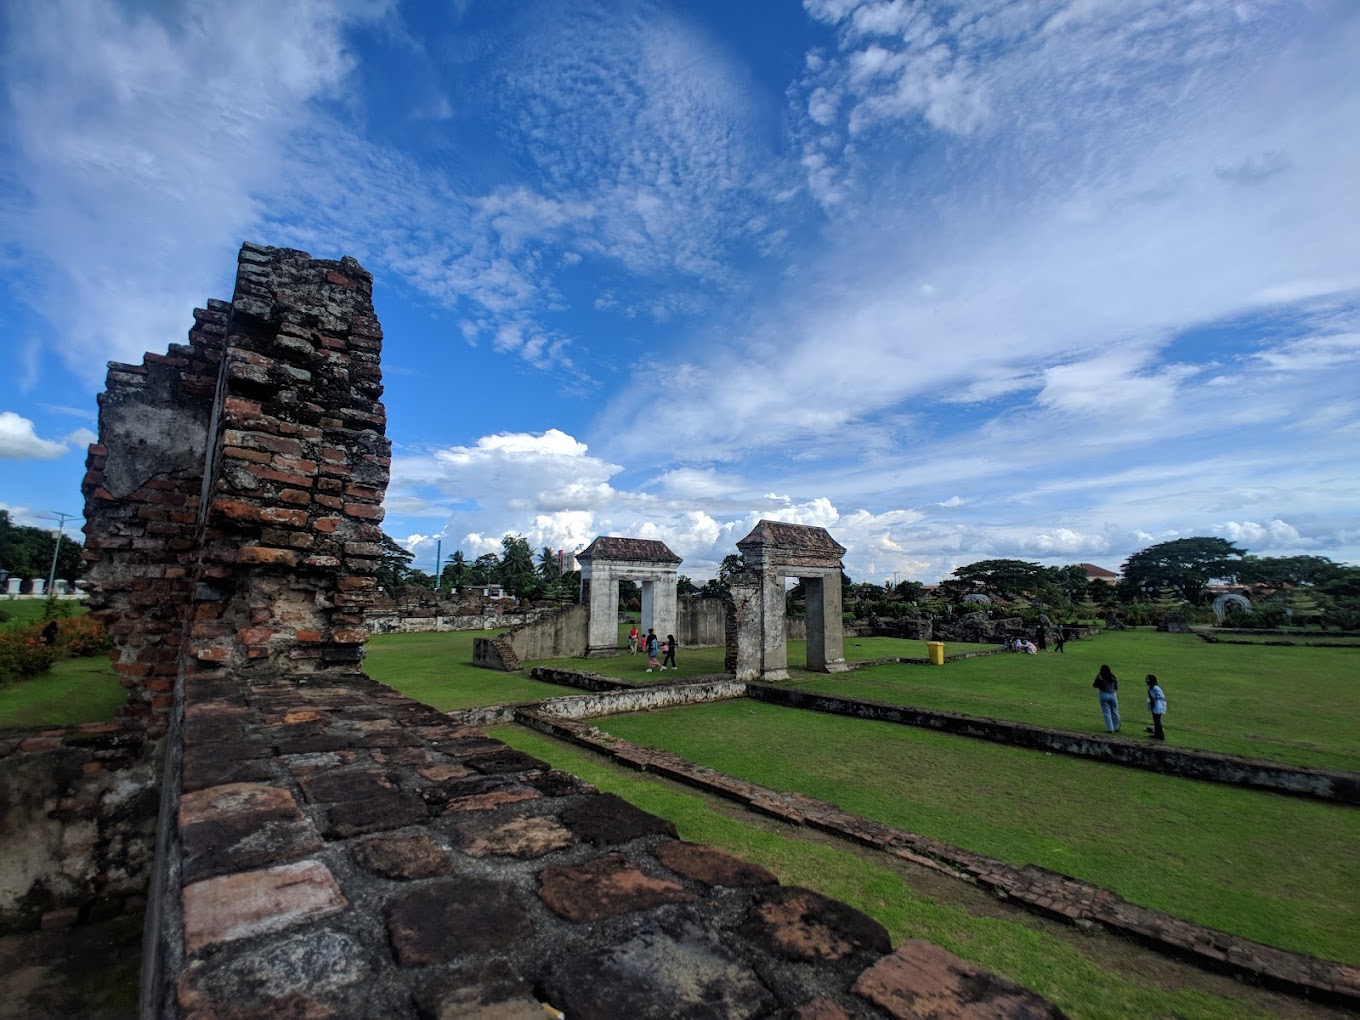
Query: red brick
(255, 902)
(264, 556)
(326, 525)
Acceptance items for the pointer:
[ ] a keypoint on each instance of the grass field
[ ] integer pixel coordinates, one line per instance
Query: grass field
(1091, 977)
(1297, 705)
(22, 612)
(437, 668)
(73, 691)
(1280, 870)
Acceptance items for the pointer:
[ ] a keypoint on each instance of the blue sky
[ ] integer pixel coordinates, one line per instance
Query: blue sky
(1051, 279)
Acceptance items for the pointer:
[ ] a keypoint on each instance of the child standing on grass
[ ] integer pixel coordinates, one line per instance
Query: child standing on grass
(1157, 706)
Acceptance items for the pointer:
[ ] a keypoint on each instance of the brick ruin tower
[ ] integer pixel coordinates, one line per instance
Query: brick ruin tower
(232, 501)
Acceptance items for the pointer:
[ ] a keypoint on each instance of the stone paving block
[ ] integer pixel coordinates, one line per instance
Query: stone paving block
(658, 975)
(438, 773)
(343, 786)
(710, 866)
(402, 857)
(820, 1008)
(442, 921)
(492, 991)
(525, 836)
(506, 761)
(605, 887)
(250, 903)
(513, 793)
(302, 975)
(922, 980)
(799, 924)
(391, 810)
(555, 783)
(239, 826)
(469, 746)
(609, 820)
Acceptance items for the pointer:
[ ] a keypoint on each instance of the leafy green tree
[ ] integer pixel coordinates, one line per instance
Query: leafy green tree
(27, 552)
(394, 563)
(999, 578)
(485, 569)
(685, 586)
(1275, 573)
(455, 573)
(517, 565)
(1072, 580)
(909, 591)
(1185, 565)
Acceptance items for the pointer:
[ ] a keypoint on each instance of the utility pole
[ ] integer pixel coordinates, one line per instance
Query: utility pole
(438, 555)
(61, 517)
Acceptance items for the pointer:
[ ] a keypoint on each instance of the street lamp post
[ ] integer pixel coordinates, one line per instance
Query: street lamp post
(61, 517)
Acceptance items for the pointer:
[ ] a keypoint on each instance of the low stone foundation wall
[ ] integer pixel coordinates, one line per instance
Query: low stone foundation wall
(1342, 787)
(77, 824)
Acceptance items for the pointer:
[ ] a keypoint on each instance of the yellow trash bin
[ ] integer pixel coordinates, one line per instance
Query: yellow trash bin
(935, 651)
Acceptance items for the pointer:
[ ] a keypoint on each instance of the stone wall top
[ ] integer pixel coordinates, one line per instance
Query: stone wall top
(775, 543)
(628, 550)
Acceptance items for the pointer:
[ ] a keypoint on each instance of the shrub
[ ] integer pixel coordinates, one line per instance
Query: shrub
(23, 654)
(78, 636)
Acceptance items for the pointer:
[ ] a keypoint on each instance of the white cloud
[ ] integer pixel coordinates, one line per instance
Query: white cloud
(19, 440)
(141, 163)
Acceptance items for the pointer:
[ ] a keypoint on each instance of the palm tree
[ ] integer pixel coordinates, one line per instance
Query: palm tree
(547, 564)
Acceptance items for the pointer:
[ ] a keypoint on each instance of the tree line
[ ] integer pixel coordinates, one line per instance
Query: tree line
(27, 552)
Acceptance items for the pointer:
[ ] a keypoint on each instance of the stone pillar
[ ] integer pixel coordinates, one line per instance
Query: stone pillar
(774, 653)
(649, 607)
(825, 630)
(744, 632)
(665, 611)
(13, 585)
(37, 586)
(602, 638)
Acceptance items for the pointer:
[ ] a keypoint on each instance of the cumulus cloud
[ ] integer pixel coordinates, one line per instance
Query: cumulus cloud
(20, 441)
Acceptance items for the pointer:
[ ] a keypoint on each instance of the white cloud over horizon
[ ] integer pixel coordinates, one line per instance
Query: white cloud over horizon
(1049, 278)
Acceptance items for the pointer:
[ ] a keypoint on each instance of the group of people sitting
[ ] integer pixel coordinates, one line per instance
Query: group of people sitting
(654, 648)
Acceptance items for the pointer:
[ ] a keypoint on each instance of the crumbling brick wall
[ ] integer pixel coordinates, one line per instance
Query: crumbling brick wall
(260, 443)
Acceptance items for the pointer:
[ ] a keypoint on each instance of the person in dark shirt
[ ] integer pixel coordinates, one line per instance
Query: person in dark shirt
(1107, 685)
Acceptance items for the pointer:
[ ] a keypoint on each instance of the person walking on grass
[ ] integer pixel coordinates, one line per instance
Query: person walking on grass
(1157, 706)
(1107, 684)
(668, 649)
(653, 650)
(633, 640)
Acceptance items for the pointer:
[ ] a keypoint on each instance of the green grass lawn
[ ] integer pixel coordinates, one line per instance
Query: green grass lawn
(437, 668)
(1280, 870)
(22, 612)
(73, 691)
(1297, 705)
(1059, 963)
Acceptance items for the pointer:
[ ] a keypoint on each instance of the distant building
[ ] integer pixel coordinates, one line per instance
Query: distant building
(1095, 573)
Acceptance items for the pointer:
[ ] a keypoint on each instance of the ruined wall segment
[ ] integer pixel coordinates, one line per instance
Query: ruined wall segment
(291, 538)
(142, 488)
(258, 444)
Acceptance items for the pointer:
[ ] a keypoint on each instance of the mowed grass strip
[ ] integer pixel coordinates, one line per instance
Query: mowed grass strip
(437, 668)
(73, 691)
(1086, 986)
(1296, 705)
(1279, 870)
